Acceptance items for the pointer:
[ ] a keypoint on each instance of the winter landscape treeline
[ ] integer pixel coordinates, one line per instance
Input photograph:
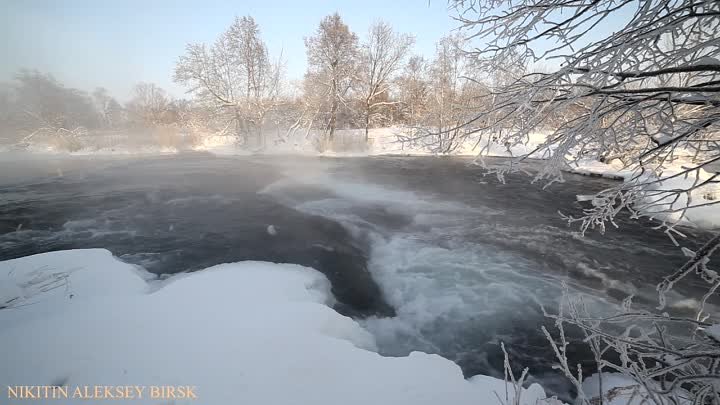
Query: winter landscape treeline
(236, 88)
(641, 101)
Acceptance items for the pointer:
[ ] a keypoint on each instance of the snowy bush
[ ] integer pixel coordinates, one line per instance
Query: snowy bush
(645, 96)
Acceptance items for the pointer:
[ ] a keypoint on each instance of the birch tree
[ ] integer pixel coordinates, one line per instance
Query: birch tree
(235, 77)
(447, 85)
(149, 105)
(382, 56)
(413, 89)
(332, 55)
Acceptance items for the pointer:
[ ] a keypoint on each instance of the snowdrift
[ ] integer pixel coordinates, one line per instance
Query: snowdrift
(249, 332)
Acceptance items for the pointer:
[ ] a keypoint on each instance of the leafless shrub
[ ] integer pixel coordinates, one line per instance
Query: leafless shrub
(666, 364)
(56, 138)
(647, 95)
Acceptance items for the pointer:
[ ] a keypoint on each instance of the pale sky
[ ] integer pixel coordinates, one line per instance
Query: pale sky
(90, 43)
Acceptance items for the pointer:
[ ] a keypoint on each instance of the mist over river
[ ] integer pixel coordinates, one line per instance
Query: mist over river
(427, 253)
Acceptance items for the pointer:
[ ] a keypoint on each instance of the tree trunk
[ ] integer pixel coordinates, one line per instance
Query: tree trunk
(333, 120)
(239, 132)
(367, 122)
(440, 127)
(333, 114)
(258, 131)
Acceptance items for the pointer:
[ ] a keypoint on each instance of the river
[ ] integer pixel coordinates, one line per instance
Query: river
(427, 253)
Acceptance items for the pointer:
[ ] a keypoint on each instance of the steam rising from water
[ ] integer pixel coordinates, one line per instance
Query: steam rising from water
(464, 261)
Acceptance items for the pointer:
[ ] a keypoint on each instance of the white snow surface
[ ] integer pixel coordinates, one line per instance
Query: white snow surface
(613, 170)
(248, 332)
(703, 208)
(620, 389)
(714, 332)
(348, 142)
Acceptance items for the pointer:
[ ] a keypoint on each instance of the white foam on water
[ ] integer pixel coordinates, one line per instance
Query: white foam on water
(445, 287)
(96, 228)
(221, 199)
(441, 292)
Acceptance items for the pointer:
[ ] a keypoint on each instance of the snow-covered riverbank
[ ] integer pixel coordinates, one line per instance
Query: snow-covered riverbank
(249, 332)
(695, 207)
(676, 195)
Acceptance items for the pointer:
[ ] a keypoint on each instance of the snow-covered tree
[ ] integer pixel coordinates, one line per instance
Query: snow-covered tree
(413, 90)
(446, 70)
(381, 57)
(149, 106)
(332, 55)
(42, 108)
(235, 77)
(112, 114)
(44, 102)
(645, 96)
(451, 90)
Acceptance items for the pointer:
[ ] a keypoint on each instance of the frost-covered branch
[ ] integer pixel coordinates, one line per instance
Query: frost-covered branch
(644, 99)
(657, 363)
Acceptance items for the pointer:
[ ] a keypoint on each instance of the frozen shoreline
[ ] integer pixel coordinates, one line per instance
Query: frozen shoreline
(249, 332)
(702, 212)
(669, 194)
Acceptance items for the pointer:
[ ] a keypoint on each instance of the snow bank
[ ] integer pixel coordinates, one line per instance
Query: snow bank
(703, 208)
(348, 142)
(620, 389)
(593, 167)
(249, 332)
(351, 142)
(388, 141)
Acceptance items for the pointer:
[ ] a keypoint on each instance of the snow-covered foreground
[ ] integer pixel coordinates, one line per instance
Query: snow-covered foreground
(249, 332)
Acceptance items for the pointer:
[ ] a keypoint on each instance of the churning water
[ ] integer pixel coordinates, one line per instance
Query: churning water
(427, 253)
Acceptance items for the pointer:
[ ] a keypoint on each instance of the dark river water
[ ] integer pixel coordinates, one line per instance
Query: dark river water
(427, 253)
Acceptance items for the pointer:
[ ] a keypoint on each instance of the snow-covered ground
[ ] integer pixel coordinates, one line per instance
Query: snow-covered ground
(348, 142)
(399, 141)
(593, 167)
(388, 141)
(619, 389)
(662, 200)
(702, 207)
(249, 332)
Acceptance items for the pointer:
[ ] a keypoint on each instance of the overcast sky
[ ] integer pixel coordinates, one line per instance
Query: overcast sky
(86, 43)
